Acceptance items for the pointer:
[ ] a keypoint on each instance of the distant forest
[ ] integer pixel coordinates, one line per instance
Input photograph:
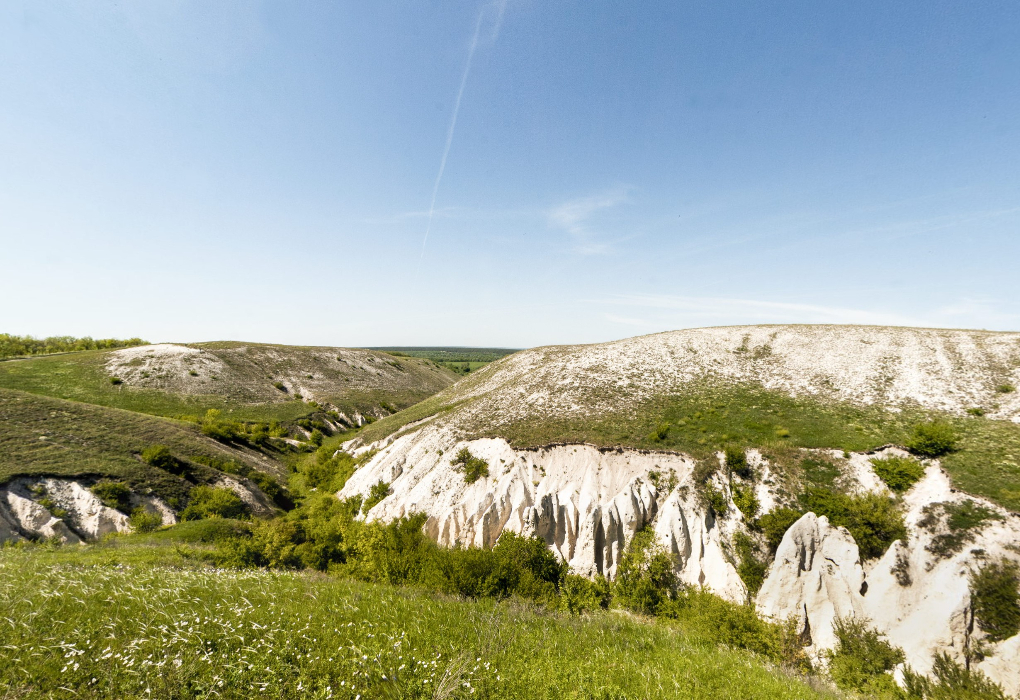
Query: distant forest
(450, 354)
(26, 345)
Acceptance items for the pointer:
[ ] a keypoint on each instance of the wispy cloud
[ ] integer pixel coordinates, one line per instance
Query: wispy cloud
(574, 217)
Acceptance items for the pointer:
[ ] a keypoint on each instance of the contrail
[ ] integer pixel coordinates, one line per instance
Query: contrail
(500, 7)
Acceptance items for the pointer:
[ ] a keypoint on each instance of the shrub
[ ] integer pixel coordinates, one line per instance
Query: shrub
(995, 599)
(579, 594)
(116, 380)
(962, 521)
(316, 437)
(219, 428)
(751, 569)
(775, 523)
(660, 433)
(473, 467)
(159, 456)
(736, 461)
(976, 411)
(144, 521)
(898, 473)
(113, 494)
(862, 658)
(646, 575)
(376, 494)
(716, 500)
(1005, 388)
(874, 520)
(950, 681)
(932, 439)
(746, 501)
(192, 373)
(213, 502)
(330, 470)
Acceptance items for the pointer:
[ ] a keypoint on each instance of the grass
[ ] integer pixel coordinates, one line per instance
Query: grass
(44, 436)
(708, 417)
(132, 618)
(249, 390)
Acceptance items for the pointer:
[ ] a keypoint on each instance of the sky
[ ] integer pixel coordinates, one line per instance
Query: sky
(511, 173)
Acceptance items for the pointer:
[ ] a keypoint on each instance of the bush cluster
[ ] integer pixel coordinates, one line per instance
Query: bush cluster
(473, 467)
(995, 599)
(932, 439)
(874, 520)
(18, 345)
(113, 494)
(862, 659)
(161, 457)
(376, 494)
(213, 502)
(898, 473)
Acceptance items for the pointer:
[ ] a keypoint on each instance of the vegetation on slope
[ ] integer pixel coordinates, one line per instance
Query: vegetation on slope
(26, 345)
(139, 621)
(50, 437)
(460, 360)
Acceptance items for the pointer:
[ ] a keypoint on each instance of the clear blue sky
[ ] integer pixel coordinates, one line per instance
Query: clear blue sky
(264, 171)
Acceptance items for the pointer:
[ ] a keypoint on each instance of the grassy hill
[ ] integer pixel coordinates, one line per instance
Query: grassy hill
(251, 382)
(53, 437)
(457, 359)
(773, 387)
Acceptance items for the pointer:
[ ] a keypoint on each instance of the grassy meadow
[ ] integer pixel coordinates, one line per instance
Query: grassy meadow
(138, 617)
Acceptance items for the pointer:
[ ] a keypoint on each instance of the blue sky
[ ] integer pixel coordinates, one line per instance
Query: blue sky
(264, 171)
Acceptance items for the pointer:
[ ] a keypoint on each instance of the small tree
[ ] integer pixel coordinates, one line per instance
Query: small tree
(932, 439)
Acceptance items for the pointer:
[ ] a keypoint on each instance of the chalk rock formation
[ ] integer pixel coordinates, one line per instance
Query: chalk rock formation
(82, 515)
(586, 503)
(816, 577)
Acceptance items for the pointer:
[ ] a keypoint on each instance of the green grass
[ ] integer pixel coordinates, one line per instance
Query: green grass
(133, 619)
(81, 377)
(708, 417)
(44, 436)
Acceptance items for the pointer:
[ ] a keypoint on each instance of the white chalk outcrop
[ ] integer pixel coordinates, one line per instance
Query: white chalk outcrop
(82, 515)
(919, 599)
(586, 503)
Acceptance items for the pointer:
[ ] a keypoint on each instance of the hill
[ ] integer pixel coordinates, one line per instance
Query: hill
(249, 381)
(818, 472)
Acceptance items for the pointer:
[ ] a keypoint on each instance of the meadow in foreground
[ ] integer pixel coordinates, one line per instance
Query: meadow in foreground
(113, 621)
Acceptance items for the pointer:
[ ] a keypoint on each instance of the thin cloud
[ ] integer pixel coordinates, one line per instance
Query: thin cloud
(574, 217)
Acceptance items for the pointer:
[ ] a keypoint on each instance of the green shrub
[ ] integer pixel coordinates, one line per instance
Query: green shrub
(874, 520)
(746, 501)
(716, 500)
(660, 433)
(473, 467)
(213, 502)
(192, 373)
(219, 428)
(862, 659)
(646, 575)
(579, 594)
(376, 494)
(962, 522)
(995, 598)
(113, 494)
(898, 473)
(950, 681)
(976, 411)
(736, 461)
(144, 521)
(1005, 388)
(281, 386)
(116, 381)
(316, 437)
(330, 470)
(751, 568)
(932, 439)
(159, 456)
(775, 523)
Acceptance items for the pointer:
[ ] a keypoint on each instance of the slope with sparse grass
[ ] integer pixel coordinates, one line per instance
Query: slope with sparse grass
(249, 381)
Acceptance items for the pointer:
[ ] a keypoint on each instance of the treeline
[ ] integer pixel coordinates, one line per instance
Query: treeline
(26, 345)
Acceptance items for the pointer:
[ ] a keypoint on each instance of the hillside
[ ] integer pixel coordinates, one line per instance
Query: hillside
(42, 436)
(769, 464)
(247, 380)
(849, 387)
